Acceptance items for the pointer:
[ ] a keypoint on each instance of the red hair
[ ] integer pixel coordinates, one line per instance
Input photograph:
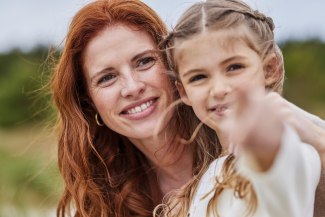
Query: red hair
(104, 174)
(90, 158)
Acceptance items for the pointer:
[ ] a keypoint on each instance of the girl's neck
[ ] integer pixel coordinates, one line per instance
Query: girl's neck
(224, 141)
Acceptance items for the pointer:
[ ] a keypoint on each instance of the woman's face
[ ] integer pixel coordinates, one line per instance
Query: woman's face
(127, 81)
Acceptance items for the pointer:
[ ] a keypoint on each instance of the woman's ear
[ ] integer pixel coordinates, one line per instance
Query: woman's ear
(272, 70)
(182, 93)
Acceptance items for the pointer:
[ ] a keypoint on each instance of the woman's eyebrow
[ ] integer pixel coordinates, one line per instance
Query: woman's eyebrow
(100, 72)
(137, 56)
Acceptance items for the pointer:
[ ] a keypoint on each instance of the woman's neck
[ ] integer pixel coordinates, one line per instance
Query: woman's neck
(178, 172)
(171, 160)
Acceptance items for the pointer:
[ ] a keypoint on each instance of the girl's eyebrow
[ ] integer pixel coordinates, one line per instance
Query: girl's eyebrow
(224, 62)
(232, 58)
(189, 72)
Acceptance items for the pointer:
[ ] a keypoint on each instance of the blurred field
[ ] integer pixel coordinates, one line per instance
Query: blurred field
(30, 183)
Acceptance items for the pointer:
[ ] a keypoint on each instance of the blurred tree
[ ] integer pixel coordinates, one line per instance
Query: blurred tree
(23, 99)
(23, 75)
(305, 74)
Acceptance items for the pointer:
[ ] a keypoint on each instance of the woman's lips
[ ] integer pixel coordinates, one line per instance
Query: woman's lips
(140, 110)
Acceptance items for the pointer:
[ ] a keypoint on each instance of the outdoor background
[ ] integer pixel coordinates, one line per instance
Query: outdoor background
(29, 181)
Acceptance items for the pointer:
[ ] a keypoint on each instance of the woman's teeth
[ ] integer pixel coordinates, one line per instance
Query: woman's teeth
(140, 108)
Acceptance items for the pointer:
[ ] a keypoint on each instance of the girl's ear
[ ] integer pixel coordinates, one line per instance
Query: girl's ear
(272, 70)
(182, 93)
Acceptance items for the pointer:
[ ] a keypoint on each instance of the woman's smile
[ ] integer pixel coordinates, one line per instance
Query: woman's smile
(129, 87)
(140, 110)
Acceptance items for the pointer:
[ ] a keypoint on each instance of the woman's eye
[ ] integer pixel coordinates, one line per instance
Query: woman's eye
(146, 62)
(234, 67)
(106, 78)
(197, 78)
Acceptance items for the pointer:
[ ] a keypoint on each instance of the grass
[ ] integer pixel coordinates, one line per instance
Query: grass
(29, 177)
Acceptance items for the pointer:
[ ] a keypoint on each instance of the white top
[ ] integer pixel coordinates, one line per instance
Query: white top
(287, 189)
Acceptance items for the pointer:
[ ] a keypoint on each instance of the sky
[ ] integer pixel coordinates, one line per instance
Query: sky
(25, 24)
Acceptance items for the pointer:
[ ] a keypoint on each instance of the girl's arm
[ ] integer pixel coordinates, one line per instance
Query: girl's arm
(288, 187)
(310, 128)
(284, 170)
(256, 129)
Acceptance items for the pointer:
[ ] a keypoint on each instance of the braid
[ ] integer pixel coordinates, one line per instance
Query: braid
(259, 16)
(243, 8)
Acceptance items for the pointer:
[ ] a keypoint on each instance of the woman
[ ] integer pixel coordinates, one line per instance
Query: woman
(117, 157)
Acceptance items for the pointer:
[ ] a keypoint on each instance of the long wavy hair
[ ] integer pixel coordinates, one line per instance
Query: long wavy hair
(209, 16)
(103, 172)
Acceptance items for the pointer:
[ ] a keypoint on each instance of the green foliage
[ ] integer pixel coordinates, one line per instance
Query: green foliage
(22, 78)
(305, 82)
(27, 179)
(24, 96)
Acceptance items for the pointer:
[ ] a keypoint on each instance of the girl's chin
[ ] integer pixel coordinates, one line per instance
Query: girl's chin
(221, 127)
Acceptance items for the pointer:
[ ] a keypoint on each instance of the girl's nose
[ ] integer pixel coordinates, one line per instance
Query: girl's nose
(219, 88)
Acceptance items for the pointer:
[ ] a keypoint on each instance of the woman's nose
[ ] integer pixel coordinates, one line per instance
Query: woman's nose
(133, 86)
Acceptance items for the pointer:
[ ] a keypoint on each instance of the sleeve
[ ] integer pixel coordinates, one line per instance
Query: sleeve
(315, 119)
(288, 187)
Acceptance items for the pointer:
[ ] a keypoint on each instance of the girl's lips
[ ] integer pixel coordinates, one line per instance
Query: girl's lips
(140, 110)
(219, 107)
(220, 110)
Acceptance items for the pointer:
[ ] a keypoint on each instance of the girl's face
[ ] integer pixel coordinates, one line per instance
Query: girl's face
(211, 66)
(127, 81)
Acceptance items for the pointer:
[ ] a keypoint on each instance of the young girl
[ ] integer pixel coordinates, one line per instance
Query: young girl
(226, 62)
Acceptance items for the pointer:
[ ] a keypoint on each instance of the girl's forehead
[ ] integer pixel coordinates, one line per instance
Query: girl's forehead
(210, 49)
(227, 39)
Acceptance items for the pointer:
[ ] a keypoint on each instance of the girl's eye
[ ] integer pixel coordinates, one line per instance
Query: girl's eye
(234, 67)
(146, 63)
(196, 78)
(106, 78)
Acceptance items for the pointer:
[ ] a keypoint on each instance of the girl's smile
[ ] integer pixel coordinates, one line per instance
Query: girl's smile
(220, 109)
(208, 84)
